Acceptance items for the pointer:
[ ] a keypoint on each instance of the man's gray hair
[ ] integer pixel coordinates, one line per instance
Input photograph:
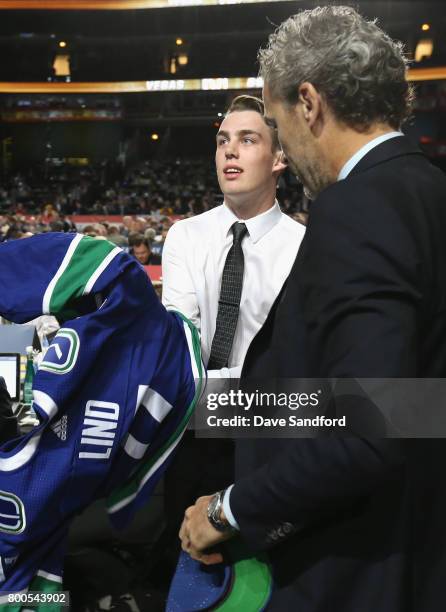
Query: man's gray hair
(359, 70)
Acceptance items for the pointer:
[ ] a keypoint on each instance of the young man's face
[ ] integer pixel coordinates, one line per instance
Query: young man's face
(244, 158)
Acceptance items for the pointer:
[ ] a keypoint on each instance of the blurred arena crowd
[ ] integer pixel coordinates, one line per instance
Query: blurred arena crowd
(148, 197)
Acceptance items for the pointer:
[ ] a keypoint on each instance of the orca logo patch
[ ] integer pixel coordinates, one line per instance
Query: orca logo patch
(62, 353)
(12, 513)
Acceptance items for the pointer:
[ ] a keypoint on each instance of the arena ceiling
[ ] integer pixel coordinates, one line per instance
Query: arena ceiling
(139, 44)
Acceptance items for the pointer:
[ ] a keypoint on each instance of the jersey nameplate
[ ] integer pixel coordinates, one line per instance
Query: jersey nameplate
(99, 429)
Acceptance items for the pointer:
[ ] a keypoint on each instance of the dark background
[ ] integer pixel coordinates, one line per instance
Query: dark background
(220, 41)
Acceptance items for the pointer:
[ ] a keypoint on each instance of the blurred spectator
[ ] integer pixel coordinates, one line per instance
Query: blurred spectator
(68, 225)
(89, 230)
(114, 236)
(56, 226)
(49, 214)
(143, 253)
(150, 234)
(133, 237)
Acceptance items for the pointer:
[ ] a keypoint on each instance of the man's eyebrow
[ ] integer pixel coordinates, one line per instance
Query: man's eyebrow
(246, 132)
(238, 133)
(222, 133)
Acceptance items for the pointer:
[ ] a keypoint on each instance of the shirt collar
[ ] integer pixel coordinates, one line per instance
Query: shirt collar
(351, 163)
(257, 226)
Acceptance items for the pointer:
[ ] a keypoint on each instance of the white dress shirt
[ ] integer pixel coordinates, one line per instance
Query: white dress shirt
(194, 256)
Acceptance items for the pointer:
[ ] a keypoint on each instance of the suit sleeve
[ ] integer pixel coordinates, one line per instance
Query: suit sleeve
(359, 276)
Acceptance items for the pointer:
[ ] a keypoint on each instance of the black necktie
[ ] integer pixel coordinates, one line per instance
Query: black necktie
(229, 302)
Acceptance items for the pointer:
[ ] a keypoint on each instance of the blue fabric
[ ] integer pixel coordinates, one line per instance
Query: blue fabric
(128, 347)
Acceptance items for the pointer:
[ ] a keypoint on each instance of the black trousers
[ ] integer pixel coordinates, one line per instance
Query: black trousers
(200, 467)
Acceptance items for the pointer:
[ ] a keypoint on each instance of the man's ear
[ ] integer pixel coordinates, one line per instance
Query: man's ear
(311, 102)
(280, 162)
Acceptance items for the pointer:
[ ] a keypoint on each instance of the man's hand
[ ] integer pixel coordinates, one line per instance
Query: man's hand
(197, 534)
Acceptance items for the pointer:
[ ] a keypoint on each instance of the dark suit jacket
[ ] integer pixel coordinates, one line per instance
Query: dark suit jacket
(354, 525)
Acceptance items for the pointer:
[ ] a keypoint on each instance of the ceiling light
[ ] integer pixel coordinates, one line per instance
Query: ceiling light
(61, 65)
(424, 49)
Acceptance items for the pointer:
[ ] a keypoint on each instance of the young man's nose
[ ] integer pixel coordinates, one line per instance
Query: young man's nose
(231, 151)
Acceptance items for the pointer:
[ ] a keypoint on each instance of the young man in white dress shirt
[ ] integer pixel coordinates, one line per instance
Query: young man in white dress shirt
(249, 161)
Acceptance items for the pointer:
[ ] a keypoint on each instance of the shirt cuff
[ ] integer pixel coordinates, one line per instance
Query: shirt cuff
(227, 509)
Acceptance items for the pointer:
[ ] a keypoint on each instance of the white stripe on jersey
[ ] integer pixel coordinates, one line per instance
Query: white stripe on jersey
(97, 273)
(45, 402)
(135, 449)
(156, 405)
(48, 576)
(142, 390)
(7, 464)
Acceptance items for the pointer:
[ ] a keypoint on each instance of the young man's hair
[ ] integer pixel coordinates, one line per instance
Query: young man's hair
(251, 103)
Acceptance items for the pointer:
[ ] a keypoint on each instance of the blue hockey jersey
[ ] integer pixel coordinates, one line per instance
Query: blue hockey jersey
(113, 396)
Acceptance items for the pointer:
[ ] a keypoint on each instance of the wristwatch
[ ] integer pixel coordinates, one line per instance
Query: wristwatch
(214, 513)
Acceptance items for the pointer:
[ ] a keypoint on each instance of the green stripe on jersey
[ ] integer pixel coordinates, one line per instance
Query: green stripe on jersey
(87, 257)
